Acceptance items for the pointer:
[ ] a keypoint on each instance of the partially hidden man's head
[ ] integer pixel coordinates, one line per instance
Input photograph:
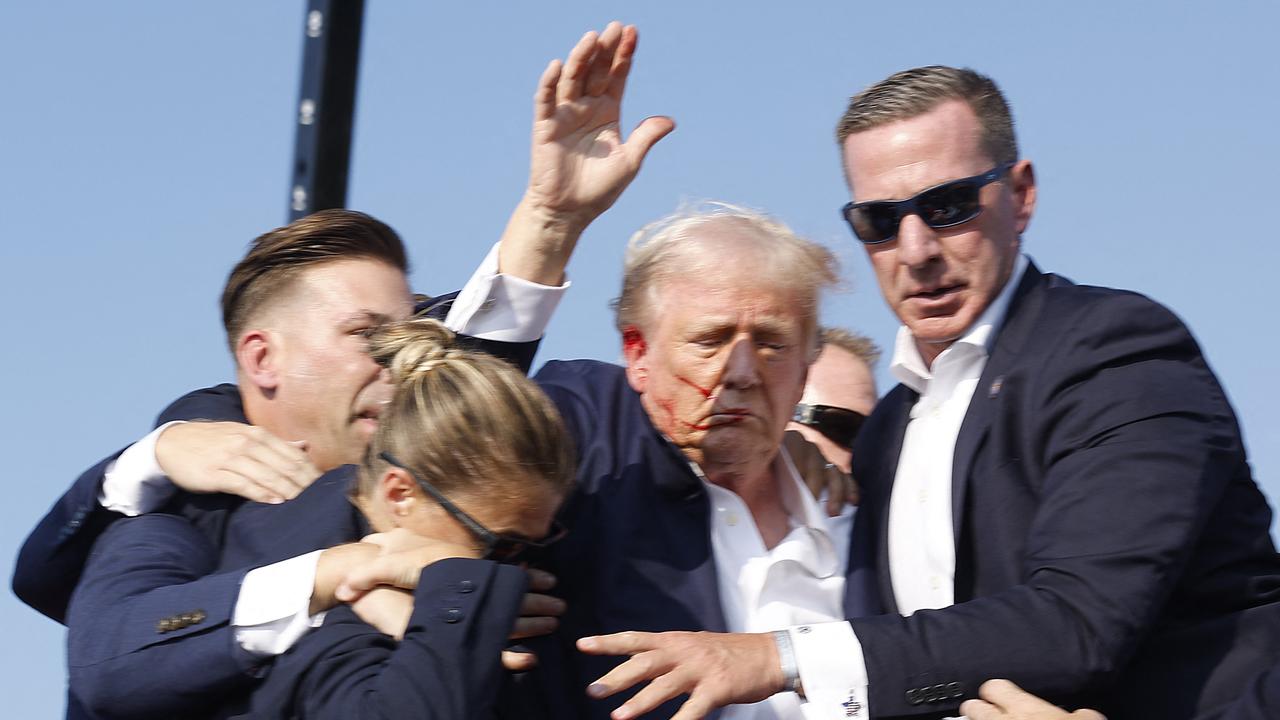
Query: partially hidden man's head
(471, 428)
(941, 262)
(718, 316)
(297, 311)
(839, 395)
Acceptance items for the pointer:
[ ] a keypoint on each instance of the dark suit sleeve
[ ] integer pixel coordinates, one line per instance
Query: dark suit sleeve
(148, 627)
(447, 667)
(1129, 446)
(1261, 701)
(51, 559)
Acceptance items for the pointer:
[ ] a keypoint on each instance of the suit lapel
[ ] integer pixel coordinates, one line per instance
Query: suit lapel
(973, 431)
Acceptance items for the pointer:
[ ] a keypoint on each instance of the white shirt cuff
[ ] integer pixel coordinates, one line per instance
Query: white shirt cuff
(271, 609)
(134, 484)
(833, 671)
(504, 308)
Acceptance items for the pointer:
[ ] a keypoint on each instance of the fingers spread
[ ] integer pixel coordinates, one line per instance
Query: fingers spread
(602, 61)
(622, 63)
(544, 98)
(661, 689)
(574, 77)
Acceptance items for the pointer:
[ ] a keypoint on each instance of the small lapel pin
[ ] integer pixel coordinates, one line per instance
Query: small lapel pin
(995, 387)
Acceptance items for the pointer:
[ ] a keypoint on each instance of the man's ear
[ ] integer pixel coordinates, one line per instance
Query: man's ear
(1023, 177)
(258, 357)
(636, 352)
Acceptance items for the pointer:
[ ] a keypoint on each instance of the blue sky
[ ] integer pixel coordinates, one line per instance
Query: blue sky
(144, 144)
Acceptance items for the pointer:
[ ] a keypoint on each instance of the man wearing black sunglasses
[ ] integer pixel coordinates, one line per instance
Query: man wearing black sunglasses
(1057, 493)
(838, 395)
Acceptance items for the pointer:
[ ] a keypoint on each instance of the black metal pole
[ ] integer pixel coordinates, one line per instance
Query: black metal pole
(326, 106)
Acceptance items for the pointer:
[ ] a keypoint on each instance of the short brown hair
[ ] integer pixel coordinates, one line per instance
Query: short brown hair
(856, 344)
(462, 419)
(914, 92)
(276, 258)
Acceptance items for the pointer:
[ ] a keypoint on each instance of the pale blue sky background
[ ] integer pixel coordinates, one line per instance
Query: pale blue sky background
(143, 144)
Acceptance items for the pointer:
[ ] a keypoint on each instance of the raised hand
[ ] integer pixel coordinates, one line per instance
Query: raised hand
(234, 458)
(580, 163)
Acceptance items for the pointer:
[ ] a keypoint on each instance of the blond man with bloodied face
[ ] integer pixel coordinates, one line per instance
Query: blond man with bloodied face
(689, 514)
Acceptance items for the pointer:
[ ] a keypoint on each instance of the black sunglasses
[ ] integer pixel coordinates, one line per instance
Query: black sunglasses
(499, 548)
(837, 423)
(940, 206)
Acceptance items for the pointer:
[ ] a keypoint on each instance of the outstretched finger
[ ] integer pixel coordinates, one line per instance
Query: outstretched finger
(646, 135)
(574, 77)
(643, 666)
(621, 67)
(544, 98)
(602, 62)
(623, 643)
(660, 690)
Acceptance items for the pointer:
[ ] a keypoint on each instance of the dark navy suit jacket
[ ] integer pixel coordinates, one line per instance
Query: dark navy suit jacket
(638, 554)
(124, 663)
(1112, 549)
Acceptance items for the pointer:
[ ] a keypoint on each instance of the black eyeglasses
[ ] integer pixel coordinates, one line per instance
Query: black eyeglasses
(837, 423)
(940, 206)
(499, 548)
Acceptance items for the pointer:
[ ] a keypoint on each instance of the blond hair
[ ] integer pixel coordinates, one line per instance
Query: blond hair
(463, 420)
(672, 246)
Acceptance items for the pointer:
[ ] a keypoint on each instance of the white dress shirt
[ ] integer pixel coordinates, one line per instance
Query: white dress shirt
(922, 554)
(270, 614)
(799, 580)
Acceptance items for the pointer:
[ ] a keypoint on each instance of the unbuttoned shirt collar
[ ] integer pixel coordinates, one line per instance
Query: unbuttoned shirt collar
(909, 368)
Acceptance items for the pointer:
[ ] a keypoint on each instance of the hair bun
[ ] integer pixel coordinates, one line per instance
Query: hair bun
(412, 347)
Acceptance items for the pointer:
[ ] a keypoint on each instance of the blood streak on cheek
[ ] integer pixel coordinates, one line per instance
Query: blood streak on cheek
(669, 408)
(706, 393)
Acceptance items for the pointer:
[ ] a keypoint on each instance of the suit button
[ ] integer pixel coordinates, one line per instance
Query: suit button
(956, 690)
(198, 616)
(914, 697)
(164, 625)
(466, 586)
(452, 615)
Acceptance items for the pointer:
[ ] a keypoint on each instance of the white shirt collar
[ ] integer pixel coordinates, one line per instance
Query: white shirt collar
(909, 368)
(793, 490)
